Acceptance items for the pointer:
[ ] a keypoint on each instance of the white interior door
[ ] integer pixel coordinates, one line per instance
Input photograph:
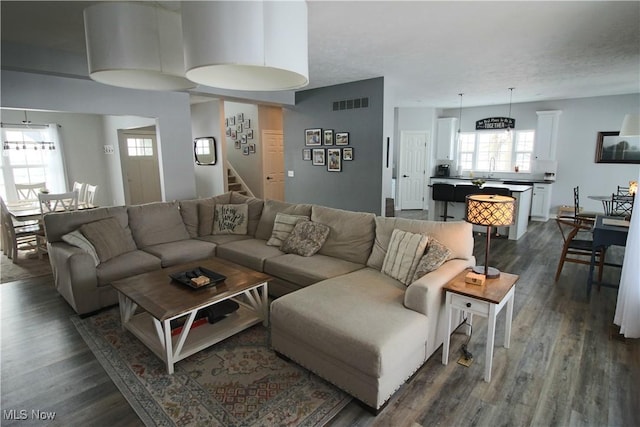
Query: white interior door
(139, 155)
(411, 172)
(273, 165)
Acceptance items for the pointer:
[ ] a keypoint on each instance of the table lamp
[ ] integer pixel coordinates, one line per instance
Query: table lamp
(490, 211)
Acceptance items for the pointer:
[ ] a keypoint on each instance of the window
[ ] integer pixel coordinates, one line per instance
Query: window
(496, 151)
(137, 147)
(30, 156)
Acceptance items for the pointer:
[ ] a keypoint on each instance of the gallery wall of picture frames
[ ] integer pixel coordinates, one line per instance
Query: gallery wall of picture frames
(332, 157)
(239, 129)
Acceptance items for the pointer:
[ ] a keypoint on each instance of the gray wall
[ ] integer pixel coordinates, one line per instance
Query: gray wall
(359, 186)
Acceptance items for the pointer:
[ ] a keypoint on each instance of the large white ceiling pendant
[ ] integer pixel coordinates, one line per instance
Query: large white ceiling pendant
(246, 45)
(135, 46)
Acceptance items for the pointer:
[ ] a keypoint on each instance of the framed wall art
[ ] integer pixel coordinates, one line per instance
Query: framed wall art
(245, 151)
(247, 123)
(334, 161)
(318, 157)
(252, 148)
(306, 154)
(250, 134)
(313, 137)
(342, 138)
(612, 148)
(347, 154)
(328, 137)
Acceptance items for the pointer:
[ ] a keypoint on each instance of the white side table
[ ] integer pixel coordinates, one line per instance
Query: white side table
(487, 301)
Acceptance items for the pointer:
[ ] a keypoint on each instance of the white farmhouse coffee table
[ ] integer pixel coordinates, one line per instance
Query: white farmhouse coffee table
(162, 300)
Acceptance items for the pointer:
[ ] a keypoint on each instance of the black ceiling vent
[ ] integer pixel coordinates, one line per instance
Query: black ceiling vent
(350, 104)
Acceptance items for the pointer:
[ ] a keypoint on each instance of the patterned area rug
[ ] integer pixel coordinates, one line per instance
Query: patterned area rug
(237, 382)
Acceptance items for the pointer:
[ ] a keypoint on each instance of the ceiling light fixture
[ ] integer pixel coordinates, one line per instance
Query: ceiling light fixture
(269, 53)
(135, 45)
(511, 123)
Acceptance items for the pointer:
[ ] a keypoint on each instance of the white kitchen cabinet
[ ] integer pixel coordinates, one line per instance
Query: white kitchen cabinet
(546, 135)
(446, 138)
(541, 202)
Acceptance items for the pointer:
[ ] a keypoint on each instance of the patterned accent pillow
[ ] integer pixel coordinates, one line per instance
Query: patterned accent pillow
(403, 255)
(306, 238)
(436, 255)
(77, 239)
(108, 237)
(283, 226)
(231, 219)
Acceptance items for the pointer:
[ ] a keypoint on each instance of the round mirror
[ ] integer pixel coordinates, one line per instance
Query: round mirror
(205, 150)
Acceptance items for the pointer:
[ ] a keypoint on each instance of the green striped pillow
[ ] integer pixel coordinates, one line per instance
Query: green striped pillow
(283, 226)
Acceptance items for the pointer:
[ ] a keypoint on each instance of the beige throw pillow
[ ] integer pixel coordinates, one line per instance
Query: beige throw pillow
(108, 237)
(77, 239)
(306, 238)
(230, 219)
(283, 226)
(403, 254)
(436, 255)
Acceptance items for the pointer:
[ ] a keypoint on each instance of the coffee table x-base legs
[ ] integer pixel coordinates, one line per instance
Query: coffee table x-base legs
(156, 334)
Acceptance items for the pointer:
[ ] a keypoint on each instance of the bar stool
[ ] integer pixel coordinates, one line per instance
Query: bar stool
(444, 193)
(500, 191)
(463, 190)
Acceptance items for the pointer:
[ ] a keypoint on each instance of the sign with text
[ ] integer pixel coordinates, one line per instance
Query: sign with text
(496, 123)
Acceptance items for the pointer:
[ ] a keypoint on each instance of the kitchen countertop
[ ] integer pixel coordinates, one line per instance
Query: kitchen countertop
(516, 188)
(522, 180)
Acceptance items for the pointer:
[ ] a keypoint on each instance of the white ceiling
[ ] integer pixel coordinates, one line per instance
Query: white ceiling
(430, 51)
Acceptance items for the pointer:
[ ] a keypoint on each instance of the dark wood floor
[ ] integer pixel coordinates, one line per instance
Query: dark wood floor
(563, 367)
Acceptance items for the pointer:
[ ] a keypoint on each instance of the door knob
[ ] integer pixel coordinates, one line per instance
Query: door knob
(269, 177)
(405, 176)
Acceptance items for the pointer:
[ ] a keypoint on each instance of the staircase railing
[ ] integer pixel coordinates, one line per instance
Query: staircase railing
(235, 173)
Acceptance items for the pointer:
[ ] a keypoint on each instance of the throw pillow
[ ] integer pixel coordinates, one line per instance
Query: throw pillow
(230, 219)
(77, 239)
(436, 255)
(283, 226)
(108, 237)
(206, 213)
(306, 238)
(403, 255)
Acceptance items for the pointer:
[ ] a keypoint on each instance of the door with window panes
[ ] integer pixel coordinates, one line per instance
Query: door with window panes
(139, 155)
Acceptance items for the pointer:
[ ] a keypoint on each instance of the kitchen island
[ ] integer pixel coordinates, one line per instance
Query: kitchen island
(522, 194)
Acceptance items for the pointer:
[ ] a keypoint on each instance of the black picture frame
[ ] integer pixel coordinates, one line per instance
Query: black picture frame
(613, 148)
(342, 138)
(327, 137)
(306, 154)
(334, 159)
(347, 154)
(318, 157)
(312, 137)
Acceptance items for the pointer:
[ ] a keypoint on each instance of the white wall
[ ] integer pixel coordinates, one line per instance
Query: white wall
(205, 121)
(579, 124)
(171, 109)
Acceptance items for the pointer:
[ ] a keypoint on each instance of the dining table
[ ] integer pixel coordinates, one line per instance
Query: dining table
(607, 231)
(25, 211)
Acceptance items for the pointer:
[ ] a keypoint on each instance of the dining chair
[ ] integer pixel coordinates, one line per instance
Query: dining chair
(622, 191)
(577, 209)
(16, 237)
(49, 203)
(29, 192)
(576, 248)
(621, 205)
(90, 194)
(82, 188)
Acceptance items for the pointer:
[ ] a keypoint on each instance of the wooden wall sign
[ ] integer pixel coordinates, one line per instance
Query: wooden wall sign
(496, 123)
